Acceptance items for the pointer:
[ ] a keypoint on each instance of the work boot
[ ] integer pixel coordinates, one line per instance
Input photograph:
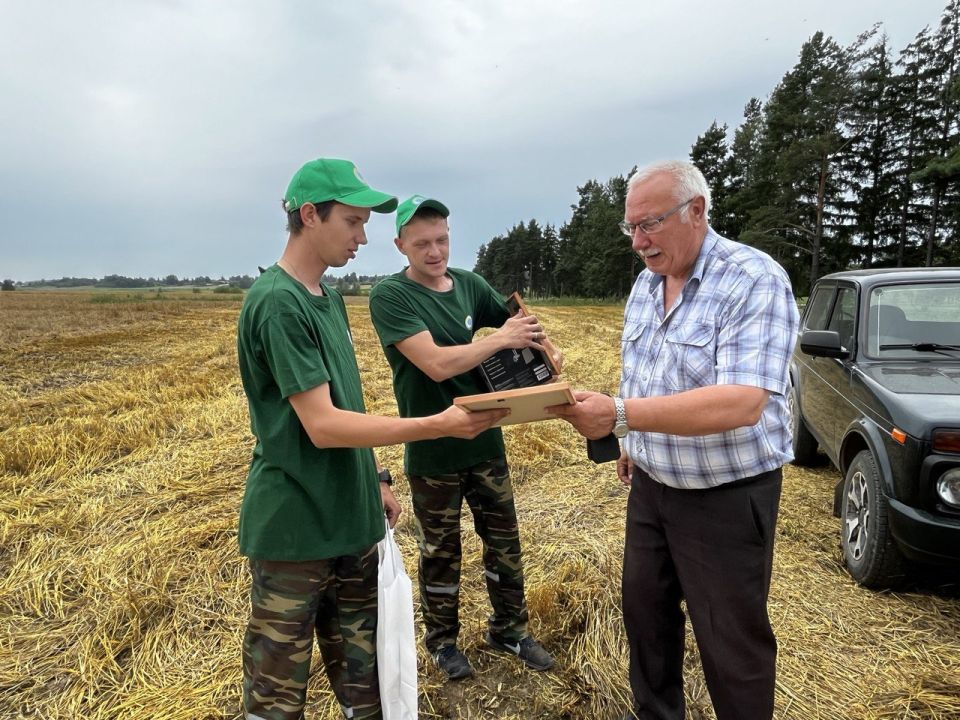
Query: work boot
(453, 663)
(528, 650)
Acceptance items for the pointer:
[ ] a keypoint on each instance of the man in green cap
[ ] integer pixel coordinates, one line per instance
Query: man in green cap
(315, 499)
(426, 316)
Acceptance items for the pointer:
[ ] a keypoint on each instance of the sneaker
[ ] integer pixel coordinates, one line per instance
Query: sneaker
(528, 650)
(453, 663)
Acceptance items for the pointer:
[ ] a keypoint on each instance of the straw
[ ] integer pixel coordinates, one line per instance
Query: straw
(124, 443)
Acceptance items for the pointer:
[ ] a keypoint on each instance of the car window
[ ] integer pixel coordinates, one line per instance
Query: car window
(844, 316)
(815, 318)
(905, 315)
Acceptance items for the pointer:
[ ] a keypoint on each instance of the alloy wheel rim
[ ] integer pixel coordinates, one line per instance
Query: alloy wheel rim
(857, 516)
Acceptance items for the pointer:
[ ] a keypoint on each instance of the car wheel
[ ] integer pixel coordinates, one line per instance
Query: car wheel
(869, 550)
(804, 443)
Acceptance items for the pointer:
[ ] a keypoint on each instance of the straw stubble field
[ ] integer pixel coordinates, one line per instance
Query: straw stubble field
(123, 450)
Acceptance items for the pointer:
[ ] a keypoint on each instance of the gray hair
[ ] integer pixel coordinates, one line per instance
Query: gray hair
(688, 182)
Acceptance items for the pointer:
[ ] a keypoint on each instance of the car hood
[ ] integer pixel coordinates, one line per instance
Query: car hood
(920, 395)
(917, 378)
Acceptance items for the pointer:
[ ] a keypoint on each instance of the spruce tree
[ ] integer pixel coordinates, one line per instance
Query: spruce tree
(868, 161)
(798, 179)
(711, 154)
(939, 174)
(914, 104)
(742, 195)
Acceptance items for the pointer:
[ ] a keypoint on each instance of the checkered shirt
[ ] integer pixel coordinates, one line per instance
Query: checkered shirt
(734, 323)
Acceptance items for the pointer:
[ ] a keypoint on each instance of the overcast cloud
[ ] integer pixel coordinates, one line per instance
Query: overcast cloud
(145, 138)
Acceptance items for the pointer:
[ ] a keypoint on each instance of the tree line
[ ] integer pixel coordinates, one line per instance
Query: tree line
(122, 281)
(852, 161)
(349, 284)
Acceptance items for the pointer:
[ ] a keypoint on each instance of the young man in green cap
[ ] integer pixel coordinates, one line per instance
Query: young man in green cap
(313, 509)
(426, 316)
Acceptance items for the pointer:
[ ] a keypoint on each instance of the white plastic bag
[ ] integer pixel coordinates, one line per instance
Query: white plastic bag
(396, 644)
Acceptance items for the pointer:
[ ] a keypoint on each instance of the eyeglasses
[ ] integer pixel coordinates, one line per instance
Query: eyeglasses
(649, 227)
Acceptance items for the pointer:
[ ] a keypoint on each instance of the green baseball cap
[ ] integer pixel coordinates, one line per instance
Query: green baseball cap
(409, 207)
(331, 179)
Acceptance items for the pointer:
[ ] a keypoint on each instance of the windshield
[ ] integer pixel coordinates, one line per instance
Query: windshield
(902, 316)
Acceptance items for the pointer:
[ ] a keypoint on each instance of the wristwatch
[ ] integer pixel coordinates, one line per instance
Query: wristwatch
(385, 477)
(620, 426)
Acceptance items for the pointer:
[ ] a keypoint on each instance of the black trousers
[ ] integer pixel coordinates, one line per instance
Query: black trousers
(713, 548)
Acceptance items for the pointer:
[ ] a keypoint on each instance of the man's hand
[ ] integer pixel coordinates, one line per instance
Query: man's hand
(555, 355)
(391, 508)
(521, 331)
(593, 415)
(625, 468)
(458, 423)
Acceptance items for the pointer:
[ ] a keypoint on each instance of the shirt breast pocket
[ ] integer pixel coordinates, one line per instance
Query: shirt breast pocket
(691, 357)
(635, 350)
(634, 333)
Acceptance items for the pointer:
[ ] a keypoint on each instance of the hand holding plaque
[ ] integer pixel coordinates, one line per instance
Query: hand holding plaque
(521, 379)
(514, 368)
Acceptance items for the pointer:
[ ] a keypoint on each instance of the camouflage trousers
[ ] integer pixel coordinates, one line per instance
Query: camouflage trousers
(335, 599)
(436, 503)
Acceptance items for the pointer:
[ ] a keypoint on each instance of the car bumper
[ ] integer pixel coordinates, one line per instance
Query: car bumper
(923, 536)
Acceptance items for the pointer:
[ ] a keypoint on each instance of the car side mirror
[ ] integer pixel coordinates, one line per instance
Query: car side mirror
(823, 343)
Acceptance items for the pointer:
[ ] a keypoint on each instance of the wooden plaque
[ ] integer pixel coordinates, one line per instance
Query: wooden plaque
(525, 404)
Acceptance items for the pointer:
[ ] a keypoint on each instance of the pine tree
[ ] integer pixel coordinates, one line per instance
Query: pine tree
(483, 265)
(798, 179)
(544, 285)
(711, 154)
(594, 259)
(572, 252)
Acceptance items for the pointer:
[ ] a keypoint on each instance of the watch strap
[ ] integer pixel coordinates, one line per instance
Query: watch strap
(620, 426)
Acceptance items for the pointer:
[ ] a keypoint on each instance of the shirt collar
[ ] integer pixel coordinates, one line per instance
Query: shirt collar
(699, 267)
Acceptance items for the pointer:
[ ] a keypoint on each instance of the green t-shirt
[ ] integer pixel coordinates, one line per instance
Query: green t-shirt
(301, 502)
(401, 308)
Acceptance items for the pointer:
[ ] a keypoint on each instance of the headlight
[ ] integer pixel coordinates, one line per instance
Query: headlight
(948, 487)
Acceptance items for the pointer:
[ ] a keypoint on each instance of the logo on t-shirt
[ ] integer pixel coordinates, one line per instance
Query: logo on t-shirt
(469, 322)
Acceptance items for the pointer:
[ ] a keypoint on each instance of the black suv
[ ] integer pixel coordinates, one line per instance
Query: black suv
(875, 382)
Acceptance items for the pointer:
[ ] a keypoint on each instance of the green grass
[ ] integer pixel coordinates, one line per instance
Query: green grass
(101, 296)
(104, 298)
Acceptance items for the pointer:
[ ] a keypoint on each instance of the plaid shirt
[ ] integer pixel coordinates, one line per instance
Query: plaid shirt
(734, 323)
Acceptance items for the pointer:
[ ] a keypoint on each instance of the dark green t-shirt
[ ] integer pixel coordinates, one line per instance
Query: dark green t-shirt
(301, 502)
(401, 308)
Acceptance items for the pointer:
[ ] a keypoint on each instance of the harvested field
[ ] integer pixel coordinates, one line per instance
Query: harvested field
(123, 451)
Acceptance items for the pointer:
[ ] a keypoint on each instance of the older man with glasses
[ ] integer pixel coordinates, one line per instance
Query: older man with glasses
(708, 332)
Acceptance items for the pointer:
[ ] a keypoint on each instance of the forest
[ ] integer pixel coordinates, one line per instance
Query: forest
(852, 161)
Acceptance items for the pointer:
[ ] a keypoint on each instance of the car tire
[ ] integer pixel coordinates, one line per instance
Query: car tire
(804, 443)
(869, 550)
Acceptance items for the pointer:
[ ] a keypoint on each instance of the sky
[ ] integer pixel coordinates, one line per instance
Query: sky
(156, 137)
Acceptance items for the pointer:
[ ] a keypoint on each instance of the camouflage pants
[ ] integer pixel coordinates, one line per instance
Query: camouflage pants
(436, 503)
(336, 599)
